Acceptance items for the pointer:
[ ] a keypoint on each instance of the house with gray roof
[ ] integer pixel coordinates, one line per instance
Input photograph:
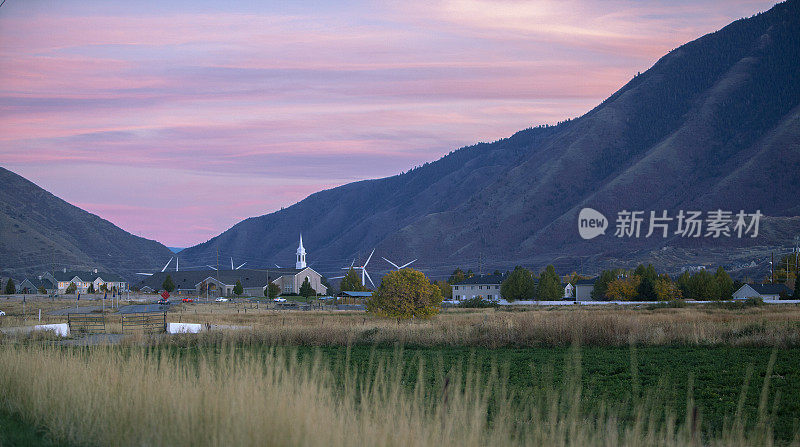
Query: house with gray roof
(483, 286)
(82, 280)
(763, 291)
(32, 285)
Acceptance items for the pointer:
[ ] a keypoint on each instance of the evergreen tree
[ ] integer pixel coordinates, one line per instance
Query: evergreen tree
(272, 290)
(10, 287)
(549, 287)
(519, 285)
(797, 281)
(71, 288)
(457, 276)
(168, 285)
(91, 288)
(351, 282)
(702, 286)
(306, 290)
(237, 288)
(601, 284)
(724, 284)
(647, 285)
(683, 283)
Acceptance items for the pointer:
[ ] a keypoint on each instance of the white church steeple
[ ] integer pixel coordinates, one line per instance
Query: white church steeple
(301, 255)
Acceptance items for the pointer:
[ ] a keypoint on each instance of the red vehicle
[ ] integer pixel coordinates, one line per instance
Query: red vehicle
(188, 300)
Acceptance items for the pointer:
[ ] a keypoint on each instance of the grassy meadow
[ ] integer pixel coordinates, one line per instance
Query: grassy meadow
(653, 375)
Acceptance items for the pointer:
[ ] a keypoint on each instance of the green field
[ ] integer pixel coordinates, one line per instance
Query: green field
(615, 376)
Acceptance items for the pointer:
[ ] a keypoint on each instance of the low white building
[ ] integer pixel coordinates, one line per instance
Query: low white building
(484, 286)
(569, 291)
(583, 289)
(763, 291)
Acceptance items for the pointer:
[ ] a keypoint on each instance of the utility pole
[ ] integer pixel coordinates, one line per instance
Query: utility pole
(796, 252)
(772, 268)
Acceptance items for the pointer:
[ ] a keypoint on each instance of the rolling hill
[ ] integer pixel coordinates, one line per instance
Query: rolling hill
(714, 124)
(41, 232)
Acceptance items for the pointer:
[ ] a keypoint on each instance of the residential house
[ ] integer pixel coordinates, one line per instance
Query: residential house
(32, 285)
(83, 280)
(483, 286)
(763, 291)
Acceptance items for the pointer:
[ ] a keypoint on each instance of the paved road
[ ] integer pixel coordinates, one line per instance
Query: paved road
(142, 308)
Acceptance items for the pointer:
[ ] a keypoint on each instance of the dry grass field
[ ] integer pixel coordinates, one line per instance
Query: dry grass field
(729, 324)
(704, 376)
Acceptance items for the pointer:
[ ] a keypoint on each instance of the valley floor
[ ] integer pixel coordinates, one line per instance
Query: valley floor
(653, 375)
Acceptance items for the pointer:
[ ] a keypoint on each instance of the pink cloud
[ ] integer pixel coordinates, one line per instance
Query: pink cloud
(149, 114)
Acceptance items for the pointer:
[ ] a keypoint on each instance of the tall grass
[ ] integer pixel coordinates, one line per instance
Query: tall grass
(492, 329)
(136, 396)
(773, 325)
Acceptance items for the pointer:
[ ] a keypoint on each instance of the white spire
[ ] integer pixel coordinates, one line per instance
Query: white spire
(301, 255)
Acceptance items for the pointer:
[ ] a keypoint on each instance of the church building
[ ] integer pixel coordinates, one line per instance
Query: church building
(216, 283)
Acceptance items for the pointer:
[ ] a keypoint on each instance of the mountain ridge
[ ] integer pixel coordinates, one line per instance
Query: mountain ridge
(694, 130)
(42, 232)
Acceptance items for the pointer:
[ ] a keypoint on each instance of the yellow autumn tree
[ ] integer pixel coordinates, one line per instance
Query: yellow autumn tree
(666, 290)
(623, 288)
(403, 294)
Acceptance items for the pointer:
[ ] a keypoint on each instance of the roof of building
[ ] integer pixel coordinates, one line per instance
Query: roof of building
(585, 282)
(483, 279)
(36, 282)
(188, 279)
(357, 294)
(61, 275)
(770, 289)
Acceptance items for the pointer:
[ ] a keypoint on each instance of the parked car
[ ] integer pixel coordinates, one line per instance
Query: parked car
(279, 300)
(163, 301)
(221, 300)
(2, 313)
(188, 300)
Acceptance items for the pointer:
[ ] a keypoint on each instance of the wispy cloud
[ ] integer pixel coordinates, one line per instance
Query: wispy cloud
(131, 109)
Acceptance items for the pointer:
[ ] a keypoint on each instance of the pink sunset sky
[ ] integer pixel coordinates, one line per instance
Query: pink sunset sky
(175, 120)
